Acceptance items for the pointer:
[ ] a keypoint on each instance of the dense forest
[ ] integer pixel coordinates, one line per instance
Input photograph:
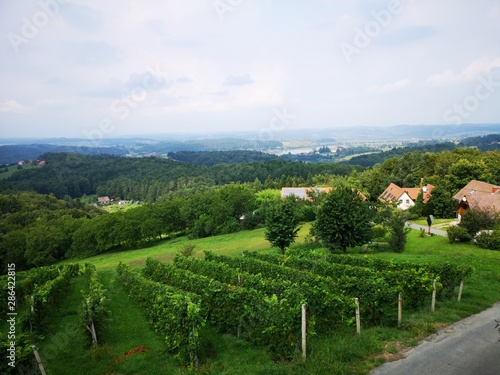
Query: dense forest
(44, 218)
(210, 158)
(149, 179)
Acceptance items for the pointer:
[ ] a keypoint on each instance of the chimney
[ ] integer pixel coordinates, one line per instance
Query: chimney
(495, 189)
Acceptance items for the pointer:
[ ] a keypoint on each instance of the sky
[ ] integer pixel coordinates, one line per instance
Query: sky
(94, 69)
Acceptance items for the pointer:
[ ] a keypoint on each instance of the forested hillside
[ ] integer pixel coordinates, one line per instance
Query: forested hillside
(196, 200)
(369, 160)
(485, 143)
(147, 179)
(210, 158)
(12, 154)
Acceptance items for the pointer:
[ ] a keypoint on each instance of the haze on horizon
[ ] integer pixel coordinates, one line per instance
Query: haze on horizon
(74, 68)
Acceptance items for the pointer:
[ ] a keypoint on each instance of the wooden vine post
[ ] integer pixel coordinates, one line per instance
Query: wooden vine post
(400, 309)
(304, 338)
(91, 327)
(433, 302)
(358, 322)
(38, 360)
(460, 290)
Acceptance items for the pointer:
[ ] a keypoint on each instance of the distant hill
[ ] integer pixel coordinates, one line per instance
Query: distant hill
(10, 154)
(14, 149)
(484, 143)
(13, 153)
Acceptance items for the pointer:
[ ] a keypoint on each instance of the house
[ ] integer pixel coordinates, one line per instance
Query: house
(405, 197)
(477, 195)
(302, 192)
(103, 200)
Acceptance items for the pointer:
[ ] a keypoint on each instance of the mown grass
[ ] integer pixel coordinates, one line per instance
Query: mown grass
(115, 207)
(340, 351)
(13, 169)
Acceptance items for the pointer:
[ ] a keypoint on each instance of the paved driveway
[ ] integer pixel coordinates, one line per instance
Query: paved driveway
(435, 231)
(468, 347)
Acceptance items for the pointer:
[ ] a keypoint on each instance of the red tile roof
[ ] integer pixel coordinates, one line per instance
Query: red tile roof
(394, 192)
(480, 195)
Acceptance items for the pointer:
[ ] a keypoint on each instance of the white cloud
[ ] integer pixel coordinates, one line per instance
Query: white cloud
(478, 67)
(494, 12)
(235, 80)
(389, 87)
(11, 106)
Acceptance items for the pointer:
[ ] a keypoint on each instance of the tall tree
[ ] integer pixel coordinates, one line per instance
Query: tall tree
(343, 220)
(282, 223)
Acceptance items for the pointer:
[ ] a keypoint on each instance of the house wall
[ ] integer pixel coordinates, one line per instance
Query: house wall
(405, 202)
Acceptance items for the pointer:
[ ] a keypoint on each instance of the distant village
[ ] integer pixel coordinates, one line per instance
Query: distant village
(32, 162)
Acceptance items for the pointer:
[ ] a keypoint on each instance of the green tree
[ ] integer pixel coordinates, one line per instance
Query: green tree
(440, 204)
(399, 231)
(45, 244)
(343, 220)
(418, 209)
(282, 224)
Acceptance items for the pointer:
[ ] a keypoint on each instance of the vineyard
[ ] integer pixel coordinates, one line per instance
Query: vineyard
(258, 297)
(33, 296)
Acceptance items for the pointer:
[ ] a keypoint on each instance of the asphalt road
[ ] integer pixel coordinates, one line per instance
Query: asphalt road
(468, 347)
(435, 231)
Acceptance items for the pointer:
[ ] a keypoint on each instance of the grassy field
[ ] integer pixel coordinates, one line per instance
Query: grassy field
(13, 169)
(349, 157)
(131, 347)
(115, 207)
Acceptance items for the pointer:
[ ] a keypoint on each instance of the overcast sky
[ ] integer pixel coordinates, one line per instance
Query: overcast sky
(116, 67)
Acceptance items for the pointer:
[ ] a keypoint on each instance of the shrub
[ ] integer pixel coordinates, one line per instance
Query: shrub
(377, 247)
(187, 250)
(379, 231)
(457, 233)
(307, 213)
(489, 240)
(475, 220)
